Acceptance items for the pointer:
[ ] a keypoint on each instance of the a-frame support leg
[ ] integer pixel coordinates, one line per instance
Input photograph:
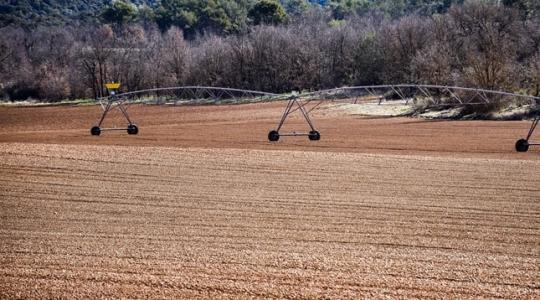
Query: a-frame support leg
(313, 134)
(112, 103)
(523, 145)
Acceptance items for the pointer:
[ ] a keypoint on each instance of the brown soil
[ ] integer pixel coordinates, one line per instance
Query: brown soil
(247, 126)
(200, 205)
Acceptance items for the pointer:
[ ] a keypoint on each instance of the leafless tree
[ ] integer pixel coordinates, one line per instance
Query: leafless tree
(489, 35)
(174, 53)
(533, 73)
(477, 44)
(401, 41)
(95, 54)
(209, 62)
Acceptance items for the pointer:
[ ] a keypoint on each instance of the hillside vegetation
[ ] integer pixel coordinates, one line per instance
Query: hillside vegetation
(265, 45)
(60, 12)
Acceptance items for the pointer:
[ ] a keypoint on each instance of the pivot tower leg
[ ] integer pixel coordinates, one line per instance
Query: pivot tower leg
(120, 105)
(313, 134)
(523, 145)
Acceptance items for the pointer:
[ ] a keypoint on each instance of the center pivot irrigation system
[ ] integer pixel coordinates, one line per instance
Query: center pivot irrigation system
(305, 103)
(192, 95)
(107, 104)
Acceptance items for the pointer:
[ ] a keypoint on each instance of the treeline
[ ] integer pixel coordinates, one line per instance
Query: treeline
(476, 44)
(30, 13)
(233, 17)
(197, 17)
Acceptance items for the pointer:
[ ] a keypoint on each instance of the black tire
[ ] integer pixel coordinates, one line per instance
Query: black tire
(95, 130)
(522, 145)
(132, 129)
(273, 136)
(314, 135)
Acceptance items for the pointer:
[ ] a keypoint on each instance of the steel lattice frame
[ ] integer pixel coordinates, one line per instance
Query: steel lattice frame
(432, 95)
(192, 95)
(198, 92)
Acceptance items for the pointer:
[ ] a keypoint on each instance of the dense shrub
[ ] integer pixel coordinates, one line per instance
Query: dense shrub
(477, 44)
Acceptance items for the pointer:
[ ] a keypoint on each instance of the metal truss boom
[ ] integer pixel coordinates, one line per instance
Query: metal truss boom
(191, 94)
(201, 92)
(432, 95)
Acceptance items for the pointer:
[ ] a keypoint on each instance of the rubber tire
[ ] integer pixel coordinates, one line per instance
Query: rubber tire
(273, 136)
(132, 129)
(95, 130)
(522, 145)
(314, 135)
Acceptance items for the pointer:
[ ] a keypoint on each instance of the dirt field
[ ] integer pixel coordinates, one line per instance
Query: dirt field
(247, 126)
(200, 205)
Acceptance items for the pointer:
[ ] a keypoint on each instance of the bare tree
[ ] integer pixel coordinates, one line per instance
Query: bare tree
(478, 44)
(489, 35)
(95, 55)
(175, 55)
(400, 42)
(533, 73)
(338, 46)
(241, 61)
(209, 62)
(438, 61)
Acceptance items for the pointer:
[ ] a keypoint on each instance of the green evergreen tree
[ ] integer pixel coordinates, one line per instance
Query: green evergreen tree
(295, 7)
(267, 12)
(193, 16)
(120, 12)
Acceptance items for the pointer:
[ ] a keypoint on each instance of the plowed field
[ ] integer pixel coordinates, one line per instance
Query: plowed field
(200, 205)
